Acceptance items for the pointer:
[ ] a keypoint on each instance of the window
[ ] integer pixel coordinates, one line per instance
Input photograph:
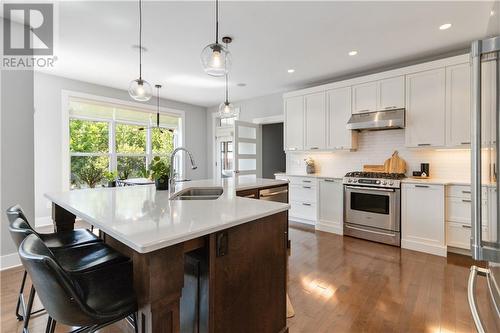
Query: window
(112, 137)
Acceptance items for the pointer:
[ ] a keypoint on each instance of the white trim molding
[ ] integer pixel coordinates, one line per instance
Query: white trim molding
(270, 120)
(9, 261)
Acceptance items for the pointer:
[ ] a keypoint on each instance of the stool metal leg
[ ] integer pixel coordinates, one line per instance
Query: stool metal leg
(134, 319)
(28, 310)
(49, 325)
(19, 317)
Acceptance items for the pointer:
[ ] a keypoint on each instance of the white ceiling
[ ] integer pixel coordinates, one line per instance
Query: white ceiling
(96, 38)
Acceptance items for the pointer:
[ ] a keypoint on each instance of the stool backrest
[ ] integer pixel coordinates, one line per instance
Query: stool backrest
(58, 292)
(16, 212)
(19, 230)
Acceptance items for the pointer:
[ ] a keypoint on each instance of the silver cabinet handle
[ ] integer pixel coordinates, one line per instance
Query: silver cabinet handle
(423, 144)
(465, 226)
(471, 296)
(465, 143)
(422, 186)
(306, 204)
(306, 181)
(466, 200)
(466, 192)
(371, 231)
(329, 180)
(306, 187)
(314, 148)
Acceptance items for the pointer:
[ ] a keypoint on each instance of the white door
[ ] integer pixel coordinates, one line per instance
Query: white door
(246, 149)
(339, 112)
(458, 105)
(391, 93)
(315, 121)
(294, 123)
(364, 97)
(425, 109)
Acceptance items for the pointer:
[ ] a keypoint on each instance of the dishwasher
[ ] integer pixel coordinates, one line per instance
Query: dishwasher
(278, 194)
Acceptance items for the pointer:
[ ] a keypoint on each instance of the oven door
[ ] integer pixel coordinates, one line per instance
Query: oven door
(373, 207)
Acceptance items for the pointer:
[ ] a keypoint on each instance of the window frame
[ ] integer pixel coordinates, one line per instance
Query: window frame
(112, 154)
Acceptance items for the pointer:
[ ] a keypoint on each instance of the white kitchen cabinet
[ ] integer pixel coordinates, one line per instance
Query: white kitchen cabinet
(315, 121)
(492, 215)
(331, 206)
(391, 93)
(425, 109)
(339, 112)
(458, 105)
(423, 218)
(303, 199)
(294, 123)
(364, 97)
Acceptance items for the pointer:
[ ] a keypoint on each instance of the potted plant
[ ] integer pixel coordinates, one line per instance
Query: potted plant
(160, 171)
(111, 177)
(90, 174)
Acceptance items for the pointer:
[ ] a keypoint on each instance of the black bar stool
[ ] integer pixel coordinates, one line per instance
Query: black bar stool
(90, 299)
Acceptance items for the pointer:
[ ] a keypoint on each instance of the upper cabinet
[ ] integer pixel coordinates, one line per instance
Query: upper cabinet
(364, 97)
(391, 93)
(294, 123)
(458, 105)
(315, 121)
(425, 108)
(339, 112)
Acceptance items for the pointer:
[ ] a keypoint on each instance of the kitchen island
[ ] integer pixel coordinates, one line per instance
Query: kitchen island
(242, 241)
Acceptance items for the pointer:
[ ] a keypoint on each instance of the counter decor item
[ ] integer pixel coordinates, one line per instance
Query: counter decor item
(159, 173)
(111, 177)
(310, 167)
(424, 169)
(395, 164)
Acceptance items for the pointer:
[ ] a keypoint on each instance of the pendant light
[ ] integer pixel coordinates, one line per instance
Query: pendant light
(215, 58)
(226, 109)
(140, 89)
(158, 86)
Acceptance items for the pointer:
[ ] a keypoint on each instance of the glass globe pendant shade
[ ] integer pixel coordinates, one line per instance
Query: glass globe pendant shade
(226, 110)
(140, 90)
(216, 60)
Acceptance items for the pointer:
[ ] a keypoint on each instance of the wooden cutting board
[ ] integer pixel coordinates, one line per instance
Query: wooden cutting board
(395, 164)
(374, 168)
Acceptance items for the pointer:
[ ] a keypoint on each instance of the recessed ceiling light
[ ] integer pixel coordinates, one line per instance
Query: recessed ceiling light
(353, 53)
(445, 26)
(291, 70)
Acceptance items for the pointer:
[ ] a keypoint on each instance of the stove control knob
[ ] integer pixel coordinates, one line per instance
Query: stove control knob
(355, 181)
(384, 183)
(378, 182)
(391, 183)
(350, 180)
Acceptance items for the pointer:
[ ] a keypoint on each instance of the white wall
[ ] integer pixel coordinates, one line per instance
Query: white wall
(48, 117)
(260, 107)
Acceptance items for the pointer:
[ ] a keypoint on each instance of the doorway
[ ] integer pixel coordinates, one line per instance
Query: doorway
(273, 152)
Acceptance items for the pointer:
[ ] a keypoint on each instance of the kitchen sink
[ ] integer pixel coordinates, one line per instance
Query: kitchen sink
(198, 193)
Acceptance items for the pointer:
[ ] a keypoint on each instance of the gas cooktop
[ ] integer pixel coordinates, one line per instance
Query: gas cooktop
(376, 179)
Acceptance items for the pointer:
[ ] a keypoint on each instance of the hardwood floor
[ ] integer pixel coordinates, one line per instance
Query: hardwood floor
(343, 284)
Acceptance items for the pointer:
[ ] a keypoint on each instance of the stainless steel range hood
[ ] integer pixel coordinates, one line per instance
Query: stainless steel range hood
(379, 120)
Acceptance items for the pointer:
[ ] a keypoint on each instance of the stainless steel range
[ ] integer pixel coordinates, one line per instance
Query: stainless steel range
(372, 206)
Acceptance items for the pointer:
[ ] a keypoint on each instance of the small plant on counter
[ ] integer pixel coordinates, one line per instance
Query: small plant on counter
(91, 175)
(144, 173)
(111, 177)
(310, 167)
(160, 171)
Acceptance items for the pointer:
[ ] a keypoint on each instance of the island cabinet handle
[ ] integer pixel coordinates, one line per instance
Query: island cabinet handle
(221, 243)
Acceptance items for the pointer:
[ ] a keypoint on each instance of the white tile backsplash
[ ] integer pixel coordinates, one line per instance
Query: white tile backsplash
(374, 147)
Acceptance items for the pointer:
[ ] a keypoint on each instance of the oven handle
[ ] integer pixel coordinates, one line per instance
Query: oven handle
(370, 188)
(372, 231)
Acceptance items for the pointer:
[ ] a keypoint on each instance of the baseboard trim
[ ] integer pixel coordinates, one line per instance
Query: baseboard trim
(421, 247)
(301, 220)
(9, 261)
(334, 229)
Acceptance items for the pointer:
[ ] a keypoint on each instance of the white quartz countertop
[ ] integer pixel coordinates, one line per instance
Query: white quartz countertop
(146, 220)
(441, 181)
(310, 175)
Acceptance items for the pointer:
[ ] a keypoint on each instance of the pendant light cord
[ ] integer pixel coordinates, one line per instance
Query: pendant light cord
(227, 101)
(140, 40)
(216, 21)
(158, 108)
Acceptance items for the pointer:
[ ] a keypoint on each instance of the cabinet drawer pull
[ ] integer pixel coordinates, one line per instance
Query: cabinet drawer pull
(422, 186)
(306, 181)
(390, 107)
(365, 110)
(466, 226)
(423, 144)
(314, 148)
(465, 143)
(329, 180)
(466, 200)
(306, 204)
(307, 187)
(466, 192)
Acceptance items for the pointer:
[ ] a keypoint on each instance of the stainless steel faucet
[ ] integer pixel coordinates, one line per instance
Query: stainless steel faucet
(171, 187)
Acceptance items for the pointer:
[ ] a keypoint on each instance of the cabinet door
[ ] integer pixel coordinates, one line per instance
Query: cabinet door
(331, 204)
(391, 93)
(294, 123)
(339, 112)
(458, 105)
(315, 121)
(425, 109)
(423, 219)
(364, 97)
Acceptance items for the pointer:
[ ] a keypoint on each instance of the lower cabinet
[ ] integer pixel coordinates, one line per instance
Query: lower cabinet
(423, 218)
(331, 199)
(303, 200)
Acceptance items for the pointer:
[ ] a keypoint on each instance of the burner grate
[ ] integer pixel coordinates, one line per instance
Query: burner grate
(386, 175)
